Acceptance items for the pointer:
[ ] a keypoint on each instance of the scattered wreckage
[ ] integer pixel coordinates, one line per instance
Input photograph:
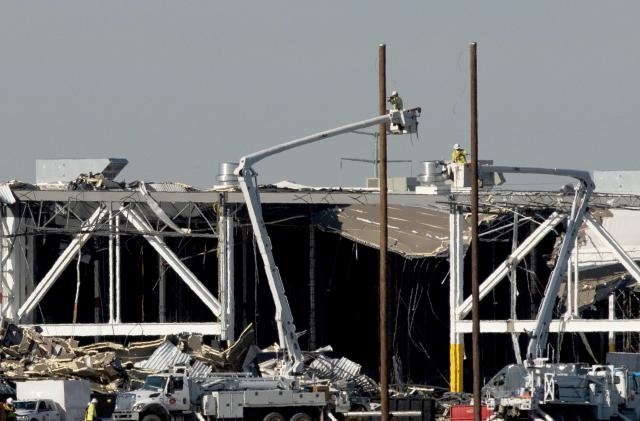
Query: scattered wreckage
(110, 367)
(184, 364)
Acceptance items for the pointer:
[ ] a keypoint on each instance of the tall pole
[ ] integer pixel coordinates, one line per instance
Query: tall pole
(312, 286)
(162, 291)
(475, 293)
(384, 358)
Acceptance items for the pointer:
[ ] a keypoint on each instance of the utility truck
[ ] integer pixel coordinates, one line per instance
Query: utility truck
(176, 396)
(539, 389)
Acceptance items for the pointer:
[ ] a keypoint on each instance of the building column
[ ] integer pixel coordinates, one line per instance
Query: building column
(612, 316)
(456, 279)
(112, 318)
(13, 261)
(118, 297)
(226, 276)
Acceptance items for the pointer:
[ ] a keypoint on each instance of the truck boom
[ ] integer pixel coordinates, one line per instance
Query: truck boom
(402, 121)
(583, 191)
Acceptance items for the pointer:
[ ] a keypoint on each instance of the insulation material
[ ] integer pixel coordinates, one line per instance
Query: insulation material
(414, 232)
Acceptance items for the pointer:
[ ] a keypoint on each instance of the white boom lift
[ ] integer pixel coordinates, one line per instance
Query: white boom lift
(583, 191)
(400, 122)
(543, 390)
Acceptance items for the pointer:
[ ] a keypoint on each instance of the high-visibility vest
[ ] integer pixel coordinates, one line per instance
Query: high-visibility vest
(458, 156)
(8, 410)
(396, 102)
(90, 414)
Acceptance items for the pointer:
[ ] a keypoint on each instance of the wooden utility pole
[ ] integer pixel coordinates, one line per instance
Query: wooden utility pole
(384, 357)
(475, 294)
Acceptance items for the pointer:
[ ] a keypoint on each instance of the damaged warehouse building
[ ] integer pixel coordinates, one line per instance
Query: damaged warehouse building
(97, 273)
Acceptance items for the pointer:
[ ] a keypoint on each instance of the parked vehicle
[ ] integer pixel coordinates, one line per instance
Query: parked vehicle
(70, 398)
(176, 396)
(37, 410)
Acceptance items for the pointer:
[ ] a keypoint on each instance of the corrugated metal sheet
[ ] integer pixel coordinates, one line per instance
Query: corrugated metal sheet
(170, 187)
(168, 355)
(6, 195)
(335, 369)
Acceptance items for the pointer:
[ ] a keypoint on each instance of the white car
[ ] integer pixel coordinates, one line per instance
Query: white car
(37, 410)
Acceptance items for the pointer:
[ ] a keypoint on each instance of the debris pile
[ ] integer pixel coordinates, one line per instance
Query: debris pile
(25, 353)
(337, 373)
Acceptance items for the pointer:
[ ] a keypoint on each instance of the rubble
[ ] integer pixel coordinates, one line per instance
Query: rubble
(110, 367)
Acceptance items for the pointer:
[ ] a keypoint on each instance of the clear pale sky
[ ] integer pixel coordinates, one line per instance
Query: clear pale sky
(176, 87)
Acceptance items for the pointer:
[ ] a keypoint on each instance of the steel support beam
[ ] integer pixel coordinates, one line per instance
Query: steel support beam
(127, 329)
(62, 262)
(456, 279)
(116, 267)
(112, 312)
(174, 261)
(612, 317)
(226, 271)
(11, 264)
(514, 290)
(513, 260)
(570, 325)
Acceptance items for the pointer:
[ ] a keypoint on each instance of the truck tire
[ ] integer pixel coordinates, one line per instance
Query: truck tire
(151, 417)
(271, 416)
(300, 416)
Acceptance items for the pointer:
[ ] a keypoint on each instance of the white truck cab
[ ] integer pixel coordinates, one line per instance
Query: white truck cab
(162, 397)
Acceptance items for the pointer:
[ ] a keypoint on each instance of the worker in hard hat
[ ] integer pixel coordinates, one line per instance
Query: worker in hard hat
(395, 101)
(91, 414)
(9, 410)
(458, 155)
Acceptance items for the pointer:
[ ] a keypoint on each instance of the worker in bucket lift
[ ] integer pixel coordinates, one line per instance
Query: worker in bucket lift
(458, 155)
(9, 410)
(396, 105)
(395, 101)
(91, 414)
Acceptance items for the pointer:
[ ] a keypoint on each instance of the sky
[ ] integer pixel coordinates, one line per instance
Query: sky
(177, 87)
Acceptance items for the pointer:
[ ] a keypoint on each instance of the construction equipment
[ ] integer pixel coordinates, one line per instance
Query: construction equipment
(402, 121)
(180, 396)
(543, 390)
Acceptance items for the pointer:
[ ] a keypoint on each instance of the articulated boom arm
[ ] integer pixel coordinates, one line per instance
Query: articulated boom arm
(538, 340)
(406, 119)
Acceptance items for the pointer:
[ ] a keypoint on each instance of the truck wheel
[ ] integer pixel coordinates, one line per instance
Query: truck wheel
(271, 416)
(301, 416)
(151, 417)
